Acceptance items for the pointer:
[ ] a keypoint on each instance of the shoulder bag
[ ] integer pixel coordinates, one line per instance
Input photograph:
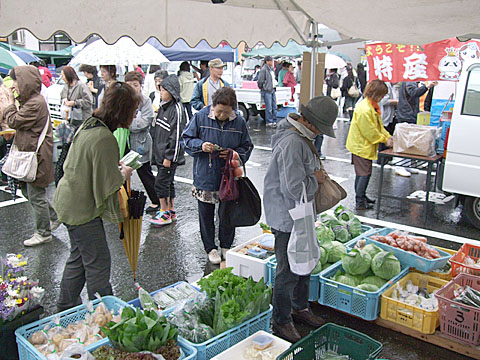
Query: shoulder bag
(353, 90)
(23, 165)
(246, 209)
(329, 192)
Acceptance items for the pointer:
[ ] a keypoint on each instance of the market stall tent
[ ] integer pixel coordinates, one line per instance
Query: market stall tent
(181, 51)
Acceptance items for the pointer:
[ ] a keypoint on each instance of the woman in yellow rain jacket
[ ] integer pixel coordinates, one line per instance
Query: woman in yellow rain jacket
(366, 132)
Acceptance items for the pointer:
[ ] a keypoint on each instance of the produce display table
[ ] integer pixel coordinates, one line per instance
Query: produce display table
(412, 162)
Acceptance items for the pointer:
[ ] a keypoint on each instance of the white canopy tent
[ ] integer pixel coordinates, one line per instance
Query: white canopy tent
(396, 21)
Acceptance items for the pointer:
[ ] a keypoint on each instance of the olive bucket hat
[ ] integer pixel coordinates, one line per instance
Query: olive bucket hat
(321, 112)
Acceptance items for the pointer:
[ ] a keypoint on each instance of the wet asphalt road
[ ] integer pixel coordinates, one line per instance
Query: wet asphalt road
(175, 252)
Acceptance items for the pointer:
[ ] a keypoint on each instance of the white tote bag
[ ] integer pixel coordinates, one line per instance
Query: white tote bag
(303, 250)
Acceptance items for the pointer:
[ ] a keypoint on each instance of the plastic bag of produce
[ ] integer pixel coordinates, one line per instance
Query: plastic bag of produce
(415, 139)
(76, 351)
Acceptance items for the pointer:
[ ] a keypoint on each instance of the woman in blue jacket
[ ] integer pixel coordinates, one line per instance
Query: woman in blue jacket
(211, 130)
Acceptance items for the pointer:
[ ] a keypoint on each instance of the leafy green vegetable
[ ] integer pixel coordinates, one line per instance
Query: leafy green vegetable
(324, 233)
(335, 250)
(317, 268)
(374, 280)
(372, 250)
(323, 255)
(265, 226)
(352, 223)
(386, 265)
(347, 279)
(356, 262)
(140, 330)
(368, 287)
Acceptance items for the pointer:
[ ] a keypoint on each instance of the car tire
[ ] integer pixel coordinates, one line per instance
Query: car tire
(472, 210)
(242, 109)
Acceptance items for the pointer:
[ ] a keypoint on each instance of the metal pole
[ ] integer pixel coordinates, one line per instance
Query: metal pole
(313, 69)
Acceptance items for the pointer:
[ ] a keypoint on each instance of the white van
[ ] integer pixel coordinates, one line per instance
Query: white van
(461, 174)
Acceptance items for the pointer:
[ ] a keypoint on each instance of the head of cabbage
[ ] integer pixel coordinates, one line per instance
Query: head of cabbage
(368, 287)
(347, 279)
(385, 265)
(372, 250)
(335, 250)
(374, 280)
(356, 262)
(324, 233)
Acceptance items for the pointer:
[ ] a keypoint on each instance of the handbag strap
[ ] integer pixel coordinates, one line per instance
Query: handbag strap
(43, 134)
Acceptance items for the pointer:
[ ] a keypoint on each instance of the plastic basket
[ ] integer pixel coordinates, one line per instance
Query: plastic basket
(409, 258)
(459, 321)
(313, 288)
(364, 304)
(227, 339)
(440, 275)
(366, 230)
(332, 337)
(414, 317)
(458, 267)
(136, 302)
(27, 351)
(189, 352)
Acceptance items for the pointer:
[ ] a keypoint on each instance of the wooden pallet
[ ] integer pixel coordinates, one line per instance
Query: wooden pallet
(436, 339)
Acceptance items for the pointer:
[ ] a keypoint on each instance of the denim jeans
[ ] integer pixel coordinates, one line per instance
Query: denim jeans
(318, 143)
(206, 216)
(89, 261)
(290, 290)
(270, 106)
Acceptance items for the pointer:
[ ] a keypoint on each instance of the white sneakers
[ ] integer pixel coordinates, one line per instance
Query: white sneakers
(37, 239)
(413, 171)
(402, 171)
(214, 257)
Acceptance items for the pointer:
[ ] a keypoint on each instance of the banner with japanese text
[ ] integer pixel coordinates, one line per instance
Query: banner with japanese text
(440, 60)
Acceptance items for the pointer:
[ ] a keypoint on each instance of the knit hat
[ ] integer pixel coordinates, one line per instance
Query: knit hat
(321, 112)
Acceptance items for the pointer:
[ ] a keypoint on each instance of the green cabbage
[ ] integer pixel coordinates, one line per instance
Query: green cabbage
(317, 268)
(347, 279)
(323, 255)
(356, 262)
(368, 287)
(374, 280)
(386, 265)
(335, 250)
(372, 250)
(327, 265)
(324, 233)
(339, 227)
(354, 226)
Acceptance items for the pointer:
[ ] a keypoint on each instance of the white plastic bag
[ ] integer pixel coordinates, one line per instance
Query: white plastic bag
(66, 112)
(415, 139)
(76, 350)
(303, 250)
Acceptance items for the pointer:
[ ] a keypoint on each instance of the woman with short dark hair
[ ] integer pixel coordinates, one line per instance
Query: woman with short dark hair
(210, 132)
(77, 96)
(109, 75)
(94, 83)
(365, 134)
(88, 193)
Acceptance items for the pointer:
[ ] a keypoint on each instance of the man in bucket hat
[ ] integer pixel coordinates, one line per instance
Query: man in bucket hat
(205, 88)
(293, 165)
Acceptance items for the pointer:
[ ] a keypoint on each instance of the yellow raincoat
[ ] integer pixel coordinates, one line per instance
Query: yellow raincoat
(366, 131)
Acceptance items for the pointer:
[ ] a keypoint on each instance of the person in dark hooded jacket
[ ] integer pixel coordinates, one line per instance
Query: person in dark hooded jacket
(29, 121)
(167, 152)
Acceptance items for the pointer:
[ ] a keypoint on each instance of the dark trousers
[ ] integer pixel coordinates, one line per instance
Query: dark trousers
(206, 216)
(188, 107)
(89, 261)
(164, 186)
(43, 210)
(318, 143)
(361, 184)
(290, 290)
(148, 180)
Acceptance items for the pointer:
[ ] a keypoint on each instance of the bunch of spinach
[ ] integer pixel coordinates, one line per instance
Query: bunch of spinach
(140, 330)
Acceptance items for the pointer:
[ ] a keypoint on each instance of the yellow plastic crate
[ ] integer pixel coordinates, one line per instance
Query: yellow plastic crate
(443, 276)
(411, 316)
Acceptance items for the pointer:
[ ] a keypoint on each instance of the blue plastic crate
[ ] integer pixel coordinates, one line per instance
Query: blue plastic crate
(227, 339)
(136, 302)
(314, 286)
(283, 111)
(364, 304)
(27, 351)
(365, 230)
(188, 352)
(411, 259)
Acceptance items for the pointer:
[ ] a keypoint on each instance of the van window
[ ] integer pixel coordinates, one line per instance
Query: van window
(471, 101)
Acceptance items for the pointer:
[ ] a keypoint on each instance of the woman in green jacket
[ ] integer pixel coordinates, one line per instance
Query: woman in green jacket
(87, 194)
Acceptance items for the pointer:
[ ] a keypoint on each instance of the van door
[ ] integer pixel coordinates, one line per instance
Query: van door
(462, 166)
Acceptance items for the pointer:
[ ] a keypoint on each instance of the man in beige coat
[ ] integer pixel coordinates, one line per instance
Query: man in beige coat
(29, 121)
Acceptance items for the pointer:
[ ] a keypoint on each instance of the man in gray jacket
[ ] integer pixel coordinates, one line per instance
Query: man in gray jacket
(141, 140)
(267, 84)
(292, 166)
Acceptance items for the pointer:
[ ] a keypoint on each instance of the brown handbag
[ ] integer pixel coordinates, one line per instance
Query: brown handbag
(329, 192)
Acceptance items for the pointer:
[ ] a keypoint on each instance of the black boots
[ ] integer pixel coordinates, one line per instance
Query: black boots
(362, 201)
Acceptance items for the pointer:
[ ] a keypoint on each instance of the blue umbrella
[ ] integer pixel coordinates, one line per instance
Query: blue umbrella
(26, 56)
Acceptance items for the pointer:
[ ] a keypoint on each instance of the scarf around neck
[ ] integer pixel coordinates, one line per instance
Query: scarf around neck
(310, 135)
